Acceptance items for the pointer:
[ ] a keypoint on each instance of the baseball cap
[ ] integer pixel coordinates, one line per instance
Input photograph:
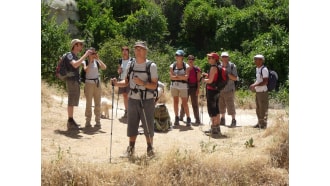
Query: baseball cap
(141, 44)
(179, 52)
(214, 55)
(191, 57)
(75, 41)
(259, 56)
(224, 54)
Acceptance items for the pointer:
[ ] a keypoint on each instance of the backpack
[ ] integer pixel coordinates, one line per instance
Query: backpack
(162, 118)
(222, 80)
(61, 68)
(148, 65)
(272, 79)
(184, 66)
(83, 72)
(237, 81)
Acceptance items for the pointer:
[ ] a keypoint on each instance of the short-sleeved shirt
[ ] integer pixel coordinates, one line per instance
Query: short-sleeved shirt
(93, 72)
(259, 79)
(176, 84)
(231, 69)
(123, 65)
(67, 59)
(143, 76)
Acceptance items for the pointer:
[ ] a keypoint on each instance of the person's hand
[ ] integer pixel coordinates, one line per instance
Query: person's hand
(113, 81)
(89, 52)
(138, 81)
(120, 70)
(252, 88)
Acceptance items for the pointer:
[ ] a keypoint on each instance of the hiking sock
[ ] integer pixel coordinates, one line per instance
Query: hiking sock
(132, 144)
(70, 119)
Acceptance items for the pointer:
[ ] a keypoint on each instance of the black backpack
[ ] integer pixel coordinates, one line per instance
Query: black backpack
(83, 72)
(148, 65)
(222, 80)
(272, 79)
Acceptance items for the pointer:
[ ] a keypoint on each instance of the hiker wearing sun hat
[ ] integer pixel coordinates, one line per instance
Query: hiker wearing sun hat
(141, 102)
(73, 63)
(260, 88)
(227, 95)
(179, 73)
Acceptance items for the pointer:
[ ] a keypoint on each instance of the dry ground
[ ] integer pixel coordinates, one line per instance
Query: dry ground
(94, 146)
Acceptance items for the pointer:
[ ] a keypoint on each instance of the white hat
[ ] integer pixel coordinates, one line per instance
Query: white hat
(224, 54)
(74, 41)
(259, 56)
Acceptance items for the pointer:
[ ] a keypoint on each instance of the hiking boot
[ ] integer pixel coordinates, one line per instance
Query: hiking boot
(233, 123)
(213, 130)
(150, 152)
(176, 122)
(129, 152)
(88, 124)
(197, 122)
(223, 121)
(188, 122)
(97, 125)
(72, 125)
(261, 126)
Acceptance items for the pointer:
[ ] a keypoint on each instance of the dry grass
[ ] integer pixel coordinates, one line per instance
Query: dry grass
(215, 162)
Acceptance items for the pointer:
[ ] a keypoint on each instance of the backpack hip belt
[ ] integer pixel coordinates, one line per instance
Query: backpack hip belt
(96, 81)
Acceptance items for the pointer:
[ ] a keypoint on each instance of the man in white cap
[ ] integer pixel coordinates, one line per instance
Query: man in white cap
(260, 87)
(73, 63)
(227, 94)
(141, 102)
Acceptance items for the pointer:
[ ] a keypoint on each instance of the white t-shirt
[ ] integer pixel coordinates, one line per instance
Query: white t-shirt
(259, 79)
(176, 84)
(124, 63)
(93, 72)
(143, 76)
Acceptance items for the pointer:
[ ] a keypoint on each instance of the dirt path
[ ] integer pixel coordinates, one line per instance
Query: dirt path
(94, 145)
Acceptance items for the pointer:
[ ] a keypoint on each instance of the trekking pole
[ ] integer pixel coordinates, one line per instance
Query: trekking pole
(113, 94)
(145, 118)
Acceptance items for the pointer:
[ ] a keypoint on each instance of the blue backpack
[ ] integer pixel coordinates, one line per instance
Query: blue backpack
(272, 79)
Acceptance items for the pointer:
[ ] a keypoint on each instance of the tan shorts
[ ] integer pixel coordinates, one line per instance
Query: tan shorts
(227, 102)
(183, 93)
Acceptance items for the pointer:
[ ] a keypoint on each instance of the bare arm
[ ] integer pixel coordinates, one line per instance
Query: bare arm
(212, 73)
(77, 63)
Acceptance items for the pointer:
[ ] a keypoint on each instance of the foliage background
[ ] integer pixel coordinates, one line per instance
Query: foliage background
(244, 28)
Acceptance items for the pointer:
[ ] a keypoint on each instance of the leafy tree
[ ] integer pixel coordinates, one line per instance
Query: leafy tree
(110, 52)
(199, 24)
(173, 11)
(96, 22)
(54, 42)
(148, 24)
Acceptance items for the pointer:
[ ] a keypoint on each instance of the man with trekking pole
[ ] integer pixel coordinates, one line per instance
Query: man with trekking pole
(140, 98)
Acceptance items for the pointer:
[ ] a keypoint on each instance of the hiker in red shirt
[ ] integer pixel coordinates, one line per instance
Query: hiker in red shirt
(193, 89)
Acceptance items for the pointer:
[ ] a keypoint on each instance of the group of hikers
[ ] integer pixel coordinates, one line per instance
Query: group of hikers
(138, 78)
